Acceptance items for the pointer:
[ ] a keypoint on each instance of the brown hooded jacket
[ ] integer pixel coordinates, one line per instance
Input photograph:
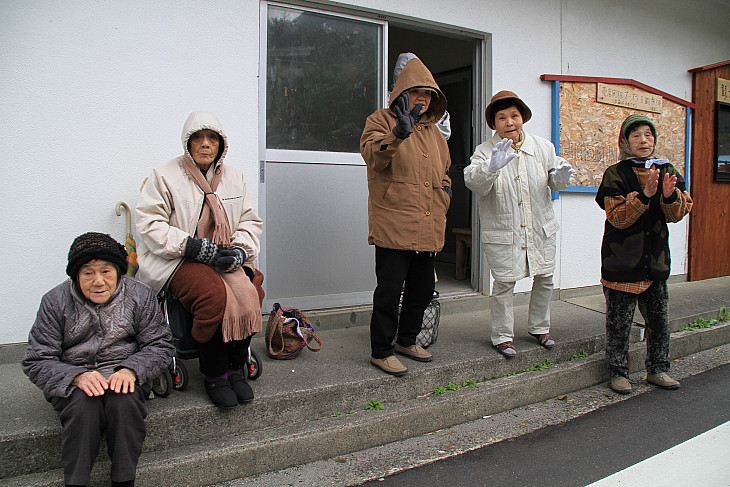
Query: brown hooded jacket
(407, 203)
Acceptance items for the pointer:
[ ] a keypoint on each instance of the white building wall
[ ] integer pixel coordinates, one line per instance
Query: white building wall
(93, 95)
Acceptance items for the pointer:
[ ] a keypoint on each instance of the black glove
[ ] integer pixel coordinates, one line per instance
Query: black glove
(228, 260)
(202, 249)
(405, 120)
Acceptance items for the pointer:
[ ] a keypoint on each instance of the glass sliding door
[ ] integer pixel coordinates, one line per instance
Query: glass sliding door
(323, 77)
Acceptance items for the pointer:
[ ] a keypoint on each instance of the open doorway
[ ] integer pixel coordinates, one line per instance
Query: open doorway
(451, 60)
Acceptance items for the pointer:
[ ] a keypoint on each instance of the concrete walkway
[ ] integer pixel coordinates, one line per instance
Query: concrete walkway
(314, 407)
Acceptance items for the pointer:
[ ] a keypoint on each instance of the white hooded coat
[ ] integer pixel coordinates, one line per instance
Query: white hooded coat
(169, 207)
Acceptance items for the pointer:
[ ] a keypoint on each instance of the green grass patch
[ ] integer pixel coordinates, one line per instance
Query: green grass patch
(473, 383)
(724, 314)
(701, 323)
(374, 405)
(469, 383)
(541, 366)
(580, 355)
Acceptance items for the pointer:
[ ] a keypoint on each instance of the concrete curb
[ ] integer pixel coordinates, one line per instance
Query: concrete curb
(300, 436)
(377, 462)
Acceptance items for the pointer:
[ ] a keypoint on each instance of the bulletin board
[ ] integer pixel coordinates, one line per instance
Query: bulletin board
(587, 117)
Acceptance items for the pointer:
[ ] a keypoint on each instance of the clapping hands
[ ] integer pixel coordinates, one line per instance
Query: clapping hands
(669, 184)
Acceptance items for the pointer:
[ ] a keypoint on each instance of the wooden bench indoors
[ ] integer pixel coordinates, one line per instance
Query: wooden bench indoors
(463, 247)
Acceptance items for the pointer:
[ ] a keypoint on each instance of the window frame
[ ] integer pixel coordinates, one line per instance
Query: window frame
(309, 156)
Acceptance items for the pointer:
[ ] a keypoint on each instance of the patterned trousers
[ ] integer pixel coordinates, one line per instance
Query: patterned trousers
(653, 306)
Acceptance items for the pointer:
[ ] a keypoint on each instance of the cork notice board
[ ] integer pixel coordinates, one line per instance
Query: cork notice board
(590, 118)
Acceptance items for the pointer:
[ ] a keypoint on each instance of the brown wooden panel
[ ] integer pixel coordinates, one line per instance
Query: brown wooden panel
(709, 225)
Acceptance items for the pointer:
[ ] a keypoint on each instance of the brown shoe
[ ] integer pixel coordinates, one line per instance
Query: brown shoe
(662, 380)
(621, 385)
(415, 352)
(391, 365)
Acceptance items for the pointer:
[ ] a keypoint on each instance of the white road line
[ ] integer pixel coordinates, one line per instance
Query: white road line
(702, 460)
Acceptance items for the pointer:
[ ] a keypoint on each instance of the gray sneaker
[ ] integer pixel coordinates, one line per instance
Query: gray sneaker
(662, 380)
(391, 365)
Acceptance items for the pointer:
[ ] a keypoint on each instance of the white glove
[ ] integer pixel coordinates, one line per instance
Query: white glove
(500, 158)
(444, 125)
(563, 172)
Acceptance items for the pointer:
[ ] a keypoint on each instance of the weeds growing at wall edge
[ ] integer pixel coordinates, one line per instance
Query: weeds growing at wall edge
(580, 355)
(701, 323)
(473, 383)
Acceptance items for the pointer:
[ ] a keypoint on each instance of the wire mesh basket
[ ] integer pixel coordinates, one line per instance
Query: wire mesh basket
(430, 326)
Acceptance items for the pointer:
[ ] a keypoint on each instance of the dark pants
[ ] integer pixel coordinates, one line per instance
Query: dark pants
(653, 306)
(216, 357)
(84, 419)
(202, 293)
(392, 269)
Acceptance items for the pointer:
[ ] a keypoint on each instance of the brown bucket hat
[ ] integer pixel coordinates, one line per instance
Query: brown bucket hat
(503, 95)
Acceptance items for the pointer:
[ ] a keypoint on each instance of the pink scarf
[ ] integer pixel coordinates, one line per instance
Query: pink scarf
(242, 316)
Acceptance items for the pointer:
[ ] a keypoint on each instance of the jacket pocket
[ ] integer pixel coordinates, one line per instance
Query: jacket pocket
(551, 228)
(503, 237)
(498, 249)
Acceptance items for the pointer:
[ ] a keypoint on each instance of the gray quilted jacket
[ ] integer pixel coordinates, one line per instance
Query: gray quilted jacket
(71, 335)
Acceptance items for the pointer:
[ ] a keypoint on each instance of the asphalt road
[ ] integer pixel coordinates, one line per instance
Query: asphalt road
(592, 446)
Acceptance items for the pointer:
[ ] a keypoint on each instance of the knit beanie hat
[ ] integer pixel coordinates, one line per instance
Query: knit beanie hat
(92, 245)
(636, 119)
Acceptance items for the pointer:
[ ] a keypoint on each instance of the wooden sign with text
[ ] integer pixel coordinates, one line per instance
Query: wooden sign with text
(589, 127)
(629, 97)
(723, 90)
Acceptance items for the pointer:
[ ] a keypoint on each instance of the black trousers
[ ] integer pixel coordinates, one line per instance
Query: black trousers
(392, 269)
(215, 357)
(84, 419)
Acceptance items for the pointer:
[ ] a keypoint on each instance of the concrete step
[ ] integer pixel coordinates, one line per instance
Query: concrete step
(381, 461)
(313, 407)
(301, 426)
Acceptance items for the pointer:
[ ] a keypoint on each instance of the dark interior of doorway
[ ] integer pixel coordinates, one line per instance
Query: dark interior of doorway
(450, 59)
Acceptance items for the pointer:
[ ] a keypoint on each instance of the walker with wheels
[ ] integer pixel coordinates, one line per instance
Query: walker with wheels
(181, 322)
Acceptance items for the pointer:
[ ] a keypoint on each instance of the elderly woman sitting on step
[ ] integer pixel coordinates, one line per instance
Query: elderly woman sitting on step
(97, 342)
(201, 239)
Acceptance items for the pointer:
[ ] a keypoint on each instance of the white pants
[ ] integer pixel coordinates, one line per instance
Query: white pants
(503, 319)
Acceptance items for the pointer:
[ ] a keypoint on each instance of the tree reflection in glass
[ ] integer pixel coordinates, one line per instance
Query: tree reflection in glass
(321, 81)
